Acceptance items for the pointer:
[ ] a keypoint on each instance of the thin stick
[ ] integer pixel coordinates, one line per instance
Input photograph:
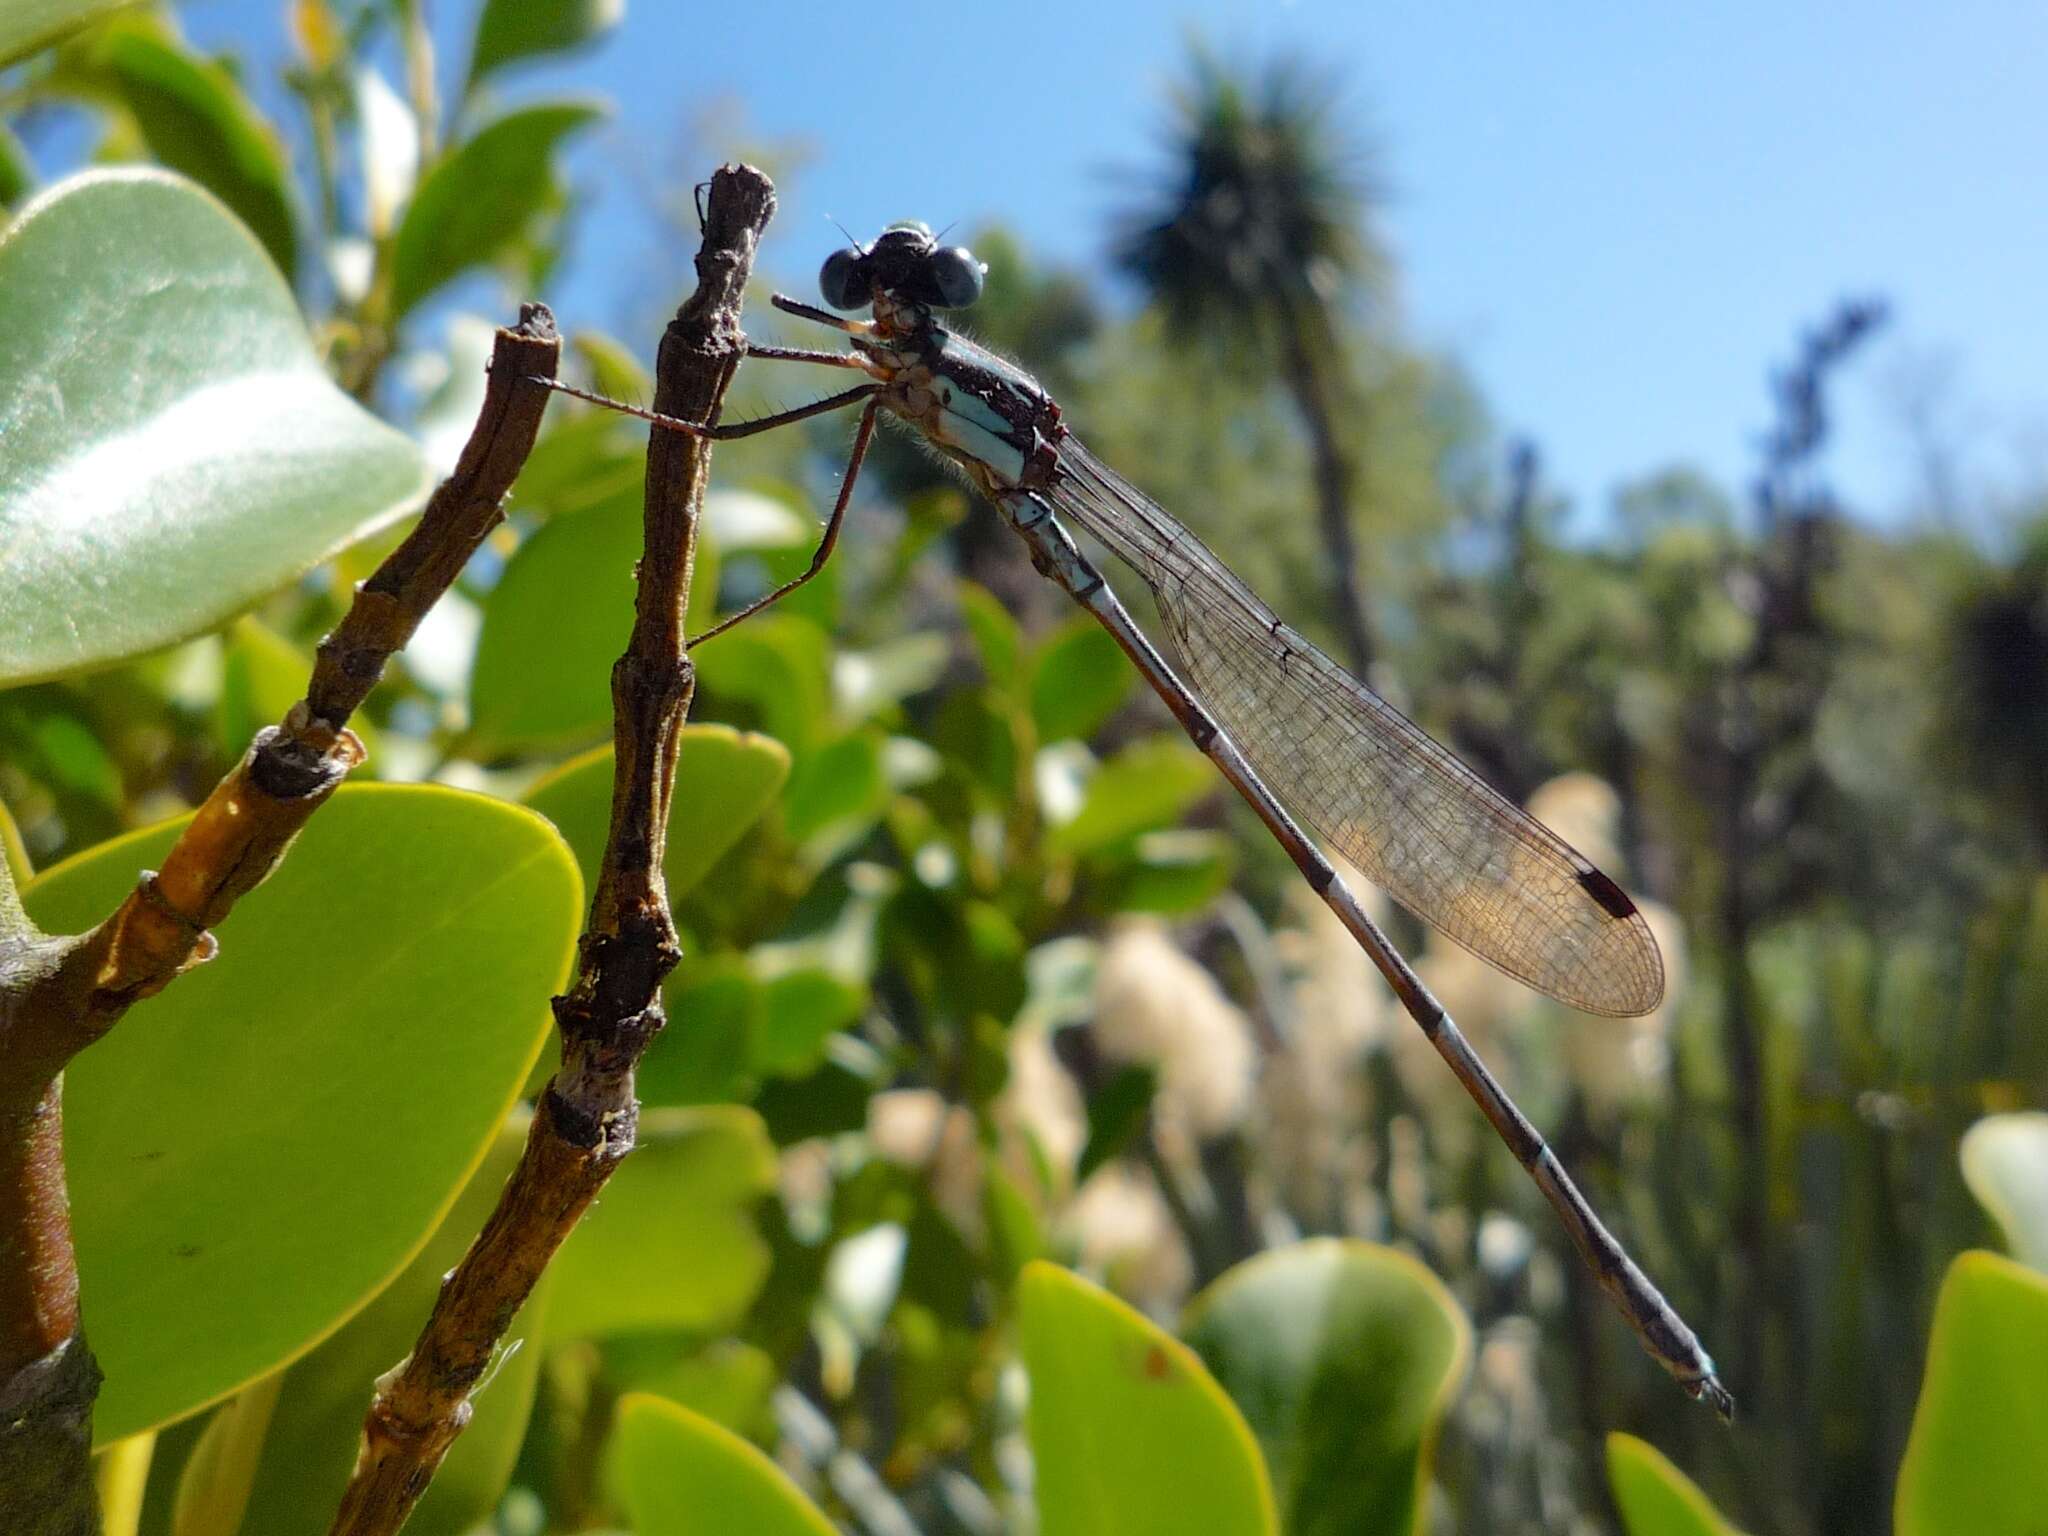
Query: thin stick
(587, 1117)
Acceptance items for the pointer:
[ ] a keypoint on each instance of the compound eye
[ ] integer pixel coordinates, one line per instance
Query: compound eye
(843, 280)
(956, 276)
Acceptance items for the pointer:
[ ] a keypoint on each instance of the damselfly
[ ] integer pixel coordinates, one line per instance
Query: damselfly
(1265, 705)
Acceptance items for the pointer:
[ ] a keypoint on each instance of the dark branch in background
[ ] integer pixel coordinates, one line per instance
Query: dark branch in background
(1762, 784)
(60, 994)
(586, 1120)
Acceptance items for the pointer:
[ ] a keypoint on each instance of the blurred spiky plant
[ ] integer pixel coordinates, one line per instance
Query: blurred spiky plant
(1251, 241)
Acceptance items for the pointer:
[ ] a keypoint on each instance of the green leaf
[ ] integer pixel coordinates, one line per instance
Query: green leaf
(13, 851)
(1173, 873)
(256, 1151)
(614, 370)
(775, 672)
(1980, 1433)
(17, 171)
(705, 1054)
(672, 1244)
(725, 779)
(1078, 678)
(29, 26)
(555, 623)
(477, 204)
(1654, 1497)
(995, 631)
(262, 676)
(510, 30)
(213, 1489)
(2005, 1163)
(838, 785)
(1116, 1113)
(679, 1474)
(312, 1443)
(801, 1012)
(175, 450)
(195, 120)
(868, 682)
(1344, 1356)
(1128, 1431)
(1147, 785)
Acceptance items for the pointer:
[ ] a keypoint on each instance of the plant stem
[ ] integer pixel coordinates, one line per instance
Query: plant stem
(585, 1122)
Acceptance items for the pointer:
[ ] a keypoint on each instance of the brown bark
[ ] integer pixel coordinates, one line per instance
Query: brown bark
(586, 1120)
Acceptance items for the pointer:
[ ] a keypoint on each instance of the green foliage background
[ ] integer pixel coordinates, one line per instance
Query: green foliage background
(981, 967)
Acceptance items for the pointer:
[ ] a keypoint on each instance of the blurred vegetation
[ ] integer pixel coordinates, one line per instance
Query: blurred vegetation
(1002, 971)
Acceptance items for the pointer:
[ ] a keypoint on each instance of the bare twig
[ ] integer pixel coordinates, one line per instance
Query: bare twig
(60, 994)
(586, 1120)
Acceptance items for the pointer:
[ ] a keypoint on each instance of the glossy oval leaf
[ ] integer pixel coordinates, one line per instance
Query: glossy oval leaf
(680, 1474)
(194, 119)
(1654, 1497)
(555, 623)
(477, 202)
(1128, 1430)
(511, 30)
(725, 779)
(1979, 1442)
(1343, 1356)
(175, 450)
(672, 1243)
(311, 1447)
(256, 1151)
(29, 26)
(2005, 1163)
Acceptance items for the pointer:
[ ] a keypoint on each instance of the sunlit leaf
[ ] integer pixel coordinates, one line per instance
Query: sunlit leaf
(475, 205)
(1128, 1431)
(175, 450)
(512, 30)
(801, 1011)
(558, 618)
(995, 631)
(29, 26)
(673, 1243)
(614, 371)
(256, 1151)
(213, 1489)
(1980, 1433)
(682, 1475)
(1078, 678)
(195, 120)
(1344, 1357)
(1149, 784)
(311, 1447)
(725, 779)
(2005, 1163)
(1654, 1497)
(774, 672)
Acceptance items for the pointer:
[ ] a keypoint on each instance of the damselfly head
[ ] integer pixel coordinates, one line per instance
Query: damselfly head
(907, 264)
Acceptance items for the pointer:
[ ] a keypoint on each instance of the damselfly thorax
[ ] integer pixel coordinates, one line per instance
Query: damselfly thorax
(984, 413)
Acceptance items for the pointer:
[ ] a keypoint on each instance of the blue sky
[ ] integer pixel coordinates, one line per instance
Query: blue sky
(1617, 220)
